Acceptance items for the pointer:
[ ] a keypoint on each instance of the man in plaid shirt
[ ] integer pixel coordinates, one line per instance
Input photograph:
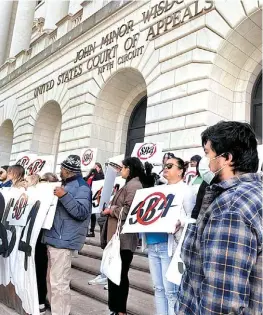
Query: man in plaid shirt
(222, 251)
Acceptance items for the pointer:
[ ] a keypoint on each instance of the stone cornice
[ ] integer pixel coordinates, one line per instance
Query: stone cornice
(63, 20)
(38, 39)
(111, 8)
(86, 2)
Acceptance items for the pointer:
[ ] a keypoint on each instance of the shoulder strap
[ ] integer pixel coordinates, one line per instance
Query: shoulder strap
(119, 224)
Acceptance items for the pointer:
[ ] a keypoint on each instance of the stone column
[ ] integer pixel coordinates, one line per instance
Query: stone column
(5, 18)
(56, 10)
(23, 27)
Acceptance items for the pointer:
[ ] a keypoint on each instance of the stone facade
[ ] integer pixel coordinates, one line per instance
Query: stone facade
(77, 84)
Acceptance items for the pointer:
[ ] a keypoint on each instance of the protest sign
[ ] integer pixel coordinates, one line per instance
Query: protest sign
(176, 268)
(20, 205)
(189, 174)
(41, 165)
(88, 158)
(148, 152)
(34, 164)
(25, 159)
(49, 188)
(106, 193)
(119, 182)
(97, 188)
(155, 209)
(116, 159)
(17, 249)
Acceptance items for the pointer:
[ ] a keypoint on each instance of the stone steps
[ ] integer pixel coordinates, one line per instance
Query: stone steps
(92, 266)
(139, 303)
(87, 265)
(138, 262)
(83, 304)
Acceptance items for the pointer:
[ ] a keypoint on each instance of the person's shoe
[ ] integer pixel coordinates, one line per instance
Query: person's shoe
(98, 280)
(106, 287)
(42, 309)
(91, 234)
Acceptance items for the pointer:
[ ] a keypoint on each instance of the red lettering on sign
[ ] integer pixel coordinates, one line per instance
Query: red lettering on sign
(23, 161)
(87, 157)
(146, 151)
(141, 217)
(20, 207)
(36, 167)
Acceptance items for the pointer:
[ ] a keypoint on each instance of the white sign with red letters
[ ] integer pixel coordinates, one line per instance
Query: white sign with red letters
(155, 209)
(22, 215)
(34, 164)
(189, 174)
(88, 158)
(97, 188)
(148, 152)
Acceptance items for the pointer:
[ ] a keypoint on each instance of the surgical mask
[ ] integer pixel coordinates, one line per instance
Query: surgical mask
(204, 169)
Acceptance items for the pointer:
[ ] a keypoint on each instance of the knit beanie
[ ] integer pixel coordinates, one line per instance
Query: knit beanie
(72, 164)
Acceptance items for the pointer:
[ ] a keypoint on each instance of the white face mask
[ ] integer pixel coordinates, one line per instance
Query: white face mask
(204, 170)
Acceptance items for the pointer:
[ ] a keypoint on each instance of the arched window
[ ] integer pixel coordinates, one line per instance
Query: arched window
(136, 130)
(256, 108)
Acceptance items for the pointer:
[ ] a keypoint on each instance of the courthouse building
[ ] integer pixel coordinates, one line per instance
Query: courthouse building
(108, 74)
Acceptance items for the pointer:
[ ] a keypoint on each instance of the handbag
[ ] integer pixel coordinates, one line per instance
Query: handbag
(111, 264)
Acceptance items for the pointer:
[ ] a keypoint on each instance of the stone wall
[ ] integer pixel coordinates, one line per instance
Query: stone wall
(195, 74)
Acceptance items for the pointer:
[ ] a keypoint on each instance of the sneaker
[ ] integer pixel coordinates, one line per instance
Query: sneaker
(42, 309)
(91, 234)
(100, 279)
(106, 287)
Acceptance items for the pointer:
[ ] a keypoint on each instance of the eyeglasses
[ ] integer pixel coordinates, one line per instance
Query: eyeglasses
(169, 166)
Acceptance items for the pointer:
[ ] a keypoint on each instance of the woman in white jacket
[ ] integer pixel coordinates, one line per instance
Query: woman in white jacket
(162, 245)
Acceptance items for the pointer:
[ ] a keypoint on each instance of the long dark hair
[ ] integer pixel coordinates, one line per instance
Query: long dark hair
(100, 166)
(137, 170)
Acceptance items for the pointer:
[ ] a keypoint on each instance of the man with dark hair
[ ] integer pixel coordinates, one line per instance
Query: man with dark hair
(222, 251)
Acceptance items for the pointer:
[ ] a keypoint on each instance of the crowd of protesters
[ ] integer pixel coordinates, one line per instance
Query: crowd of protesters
(222, 250)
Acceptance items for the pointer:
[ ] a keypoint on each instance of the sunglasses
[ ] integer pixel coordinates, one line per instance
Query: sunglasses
(169, 166)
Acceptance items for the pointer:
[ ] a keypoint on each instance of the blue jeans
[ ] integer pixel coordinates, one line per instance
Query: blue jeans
(165, 292)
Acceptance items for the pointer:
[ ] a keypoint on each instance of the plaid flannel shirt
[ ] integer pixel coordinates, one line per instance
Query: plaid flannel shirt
(222, 251)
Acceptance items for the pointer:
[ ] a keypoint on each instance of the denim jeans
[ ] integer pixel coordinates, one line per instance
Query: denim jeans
(165, 292)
